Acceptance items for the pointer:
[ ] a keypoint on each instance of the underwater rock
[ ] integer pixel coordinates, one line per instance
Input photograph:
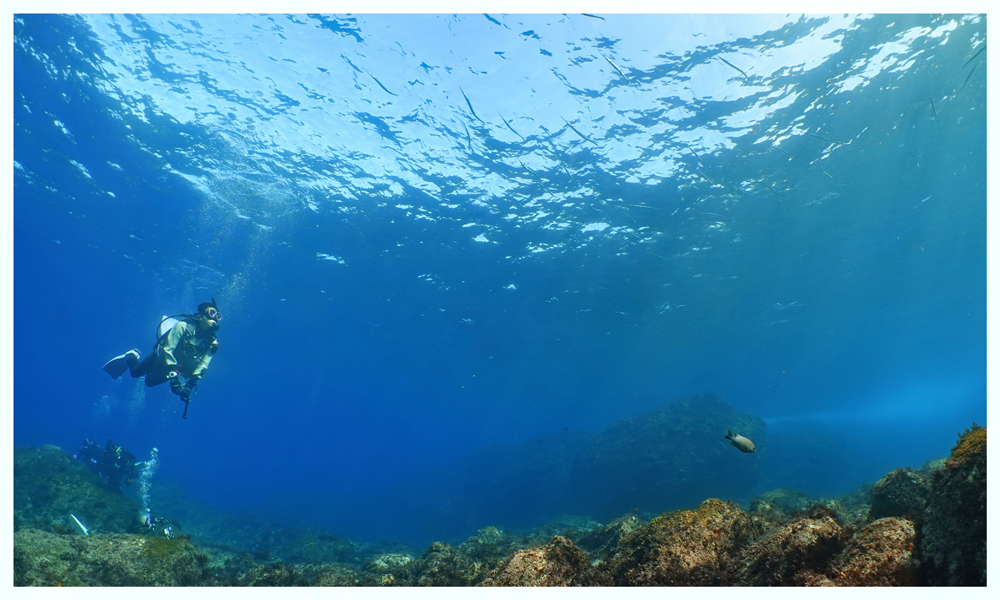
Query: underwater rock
(781, 501)
(559, 563)
(490, 546)
(766, 513)
(603, 540)
(276, 574)
(311, 545)
(444, 565)
(798, 553)
(340, 575)
(225, 564)
(673, 457)
(900, 493)
(49, 485)
(852, 509)
(880, 554)
(282, 574)
(48, 559)
(387, 563)
(568, 526)
(685, 547)
(953, 530)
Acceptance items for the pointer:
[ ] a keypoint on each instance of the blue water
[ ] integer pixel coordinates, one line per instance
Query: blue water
(433, 235)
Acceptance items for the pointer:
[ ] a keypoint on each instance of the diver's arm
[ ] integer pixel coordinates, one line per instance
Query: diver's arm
(199, 371)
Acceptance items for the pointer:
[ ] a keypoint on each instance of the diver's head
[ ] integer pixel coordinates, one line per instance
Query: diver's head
(209, 312)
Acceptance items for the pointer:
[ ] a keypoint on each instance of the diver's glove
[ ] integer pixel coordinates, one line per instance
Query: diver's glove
(185, 392)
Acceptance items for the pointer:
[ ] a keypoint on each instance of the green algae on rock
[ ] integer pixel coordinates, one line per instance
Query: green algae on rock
(48, 559)
(797, 553)
(685, 547)
(953, 530)
(603, 540)
(880, 554)
(559, 563)
(900, 493)
(49, 485)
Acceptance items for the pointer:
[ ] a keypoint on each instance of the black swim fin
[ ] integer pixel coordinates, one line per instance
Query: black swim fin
(117, 366)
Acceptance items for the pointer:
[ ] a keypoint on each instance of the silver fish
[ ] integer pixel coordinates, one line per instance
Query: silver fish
(740, 442)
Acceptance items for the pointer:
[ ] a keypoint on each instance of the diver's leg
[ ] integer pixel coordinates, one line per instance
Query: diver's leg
(156, 374)
(138, 369)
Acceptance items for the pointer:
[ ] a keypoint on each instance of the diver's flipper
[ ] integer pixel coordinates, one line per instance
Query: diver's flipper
(117, 366)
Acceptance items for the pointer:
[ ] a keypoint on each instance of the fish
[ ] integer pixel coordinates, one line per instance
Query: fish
(577, 131)
(540, 182)
(82, 528)
(740, 442)
(508, 126)
(468, 136)
(469, 102)
(385, 89)
(974, 56)
(616, 67)
(742, 72)
(969, 76)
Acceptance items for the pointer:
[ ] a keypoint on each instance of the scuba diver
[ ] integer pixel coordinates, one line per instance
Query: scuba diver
(184, 346)
(113, 463)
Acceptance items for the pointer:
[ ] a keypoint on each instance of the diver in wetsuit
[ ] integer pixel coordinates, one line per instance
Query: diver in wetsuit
(113, 463)
(184, 347)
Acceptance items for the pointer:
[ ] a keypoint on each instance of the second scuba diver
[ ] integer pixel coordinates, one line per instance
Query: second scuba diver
(184, 346)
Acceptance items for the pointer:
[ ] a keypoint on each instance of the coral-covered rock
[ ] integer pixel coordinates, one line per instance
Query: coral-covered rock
(389, 569)
(559, 563)
(276, 574)
(686, 547)
(953, 531)
(281, 574)
(49, 485)
(603, 540)
(225, 564)
(388, 562)
(900, 493)
(572, 527)
(490, 546)
(782, 499)
(311, 545)
(673, 457)
(340, 575)
(852, 509)
(774, 508)
(798, 553)
(48, 559)
(881, 554)
(444, 565)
